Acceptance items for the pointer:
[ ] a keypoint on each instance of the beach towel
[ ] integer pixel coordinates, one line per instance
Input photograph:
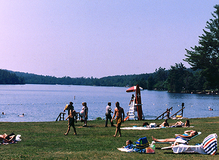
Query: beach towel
(125, 149)
(208, 146)
(18, 138)
(139, 128)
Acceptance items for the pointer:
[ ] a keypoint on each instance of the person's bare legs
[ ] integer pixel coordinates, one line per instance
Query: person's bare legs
(116, 131)
(67, 130)
(74, 130)
(85, 123)
(119, 130)
(164, 140)
(10, 139)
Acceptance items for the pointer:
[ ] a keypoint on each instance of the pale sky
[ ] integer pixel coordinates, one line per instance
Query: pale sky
(99, 37)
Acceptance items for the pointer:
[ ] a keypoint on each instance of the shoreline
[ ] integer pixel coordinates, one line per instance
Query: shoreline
(184, 118)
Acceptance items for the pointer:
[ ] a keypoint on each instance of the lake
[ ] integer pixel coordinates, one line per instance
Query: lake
(45, 102)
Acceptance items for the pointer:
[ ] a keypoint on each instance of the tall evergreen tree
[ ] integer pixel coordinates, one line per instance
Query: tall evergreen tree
(150, 84)
(176, 78)
(206, 56)
(160, 77)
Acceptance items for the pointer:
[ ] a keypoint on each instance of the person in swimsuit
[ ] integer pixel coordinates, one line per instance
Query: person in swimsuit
(187, 134)
(71, 122)
(119, 113)
(165, 124)
(181, 124)
(7, 138)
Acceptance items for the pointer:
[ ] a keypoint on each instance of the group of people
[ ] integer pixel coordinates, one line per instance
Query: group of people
(118, 115)
(72, 115)
(177, 124)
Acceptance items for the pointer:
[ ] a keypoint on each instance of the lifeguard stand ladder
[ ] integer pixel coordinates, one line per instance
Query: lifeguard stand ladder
(132, 114)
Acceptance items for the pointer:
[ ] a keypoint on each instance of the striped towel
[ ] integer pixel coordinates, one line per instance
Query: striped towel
(210, 144)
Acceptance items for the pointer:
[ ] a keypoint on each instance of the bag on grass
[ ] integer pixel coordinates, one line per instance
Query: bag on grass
(142, 143)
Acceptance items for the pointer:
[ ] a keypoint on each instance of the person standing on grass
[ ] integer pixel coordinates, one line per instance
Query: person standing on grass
(119, 113)
(71, 121)
(108, 114)
(69, 107)
(85, 109)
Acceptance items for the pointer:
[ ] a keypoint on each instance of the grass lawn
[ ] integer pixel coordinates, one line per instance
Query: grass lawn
(46, 140)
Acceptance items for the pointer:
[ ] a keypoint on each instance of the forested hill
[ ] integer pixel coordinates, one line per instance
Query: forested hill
(119, 80)
(7, 77)
(178, 79)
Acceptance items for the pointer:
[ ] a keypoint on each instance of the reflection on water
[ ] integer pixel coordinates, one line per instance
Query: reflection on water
(45, 102)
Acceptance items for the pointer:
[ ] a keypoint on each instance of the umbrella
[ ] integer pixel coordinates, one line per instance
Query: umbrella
(133, 89)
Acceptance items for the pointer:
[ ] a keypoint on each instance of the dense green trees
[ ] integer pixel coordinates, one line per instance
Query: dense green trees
(181, 79)
(205, 57)
(160, 79)
(9, 78)
(177, 79)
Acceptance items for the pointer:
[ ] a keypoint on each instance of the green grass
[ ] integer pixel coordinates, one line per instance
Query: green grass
(46, 140)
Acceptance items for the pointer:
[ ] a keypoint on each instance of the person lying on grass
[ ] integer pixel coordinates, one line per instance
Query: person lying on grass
(129, 144)
(7, 138)
(181, 124)
(187, 135)
(164, 124)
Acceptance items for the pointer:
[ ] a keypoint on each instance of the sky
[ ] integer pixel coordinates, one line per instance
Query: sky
(99, 38)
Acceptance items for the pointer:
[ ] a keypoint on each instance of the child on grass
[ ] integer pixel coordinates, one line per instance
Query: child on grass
(71, 122)
(129, 144)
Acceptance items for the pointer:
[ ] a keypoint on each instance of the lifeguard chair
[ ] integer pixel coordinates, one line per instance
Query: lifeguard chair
(135, 109)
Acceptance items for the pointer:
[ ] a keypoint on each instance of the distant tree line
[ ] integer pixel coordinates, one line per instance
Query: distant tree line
(178, 79)
(118, 80)
(7, 77)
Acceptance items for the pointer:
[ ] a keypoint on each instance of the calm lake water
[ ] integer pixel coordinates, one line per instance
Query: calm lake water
(45, 102)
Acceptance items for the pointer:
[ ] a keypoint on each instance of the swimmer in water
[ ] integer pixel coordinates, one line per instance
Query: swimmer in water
(22, 115)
